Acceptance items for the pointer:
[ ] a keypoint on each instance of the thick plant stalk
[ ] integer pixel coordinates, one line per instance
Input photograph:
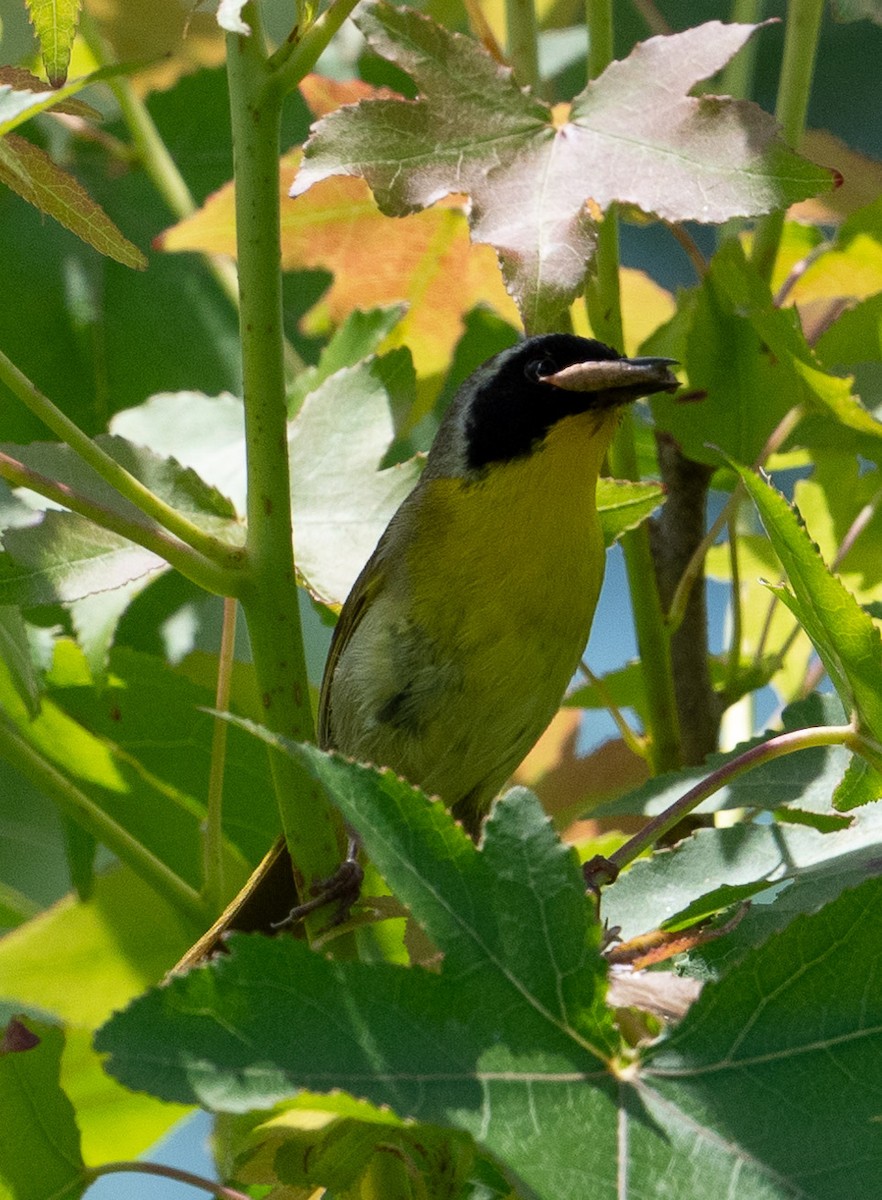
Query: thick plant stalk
(270, 603)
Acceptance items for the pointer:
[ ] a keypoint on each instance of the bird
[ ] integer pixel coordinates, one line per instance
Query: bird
(458, 639)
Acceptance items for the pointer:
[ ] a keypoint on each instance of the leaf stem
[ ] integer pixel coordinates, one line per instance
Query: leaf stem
(23, 756)
(522, 42)
(212, 843)
(194, 566)
(603, 300)
(297, 58)
(733, 658)
(270, 603)
(220, 1190)
(110, 471)
(633, 740)
(737, 77)
(776, 747)
(794, 87)
(694, 567)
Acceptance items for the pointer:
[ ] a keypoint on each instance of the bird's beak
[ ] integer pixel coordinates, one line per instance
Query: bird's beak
(635, 376)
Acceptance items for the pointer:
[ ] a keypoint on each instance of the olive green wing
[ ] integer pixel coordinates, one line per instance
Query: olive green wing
(364, 591)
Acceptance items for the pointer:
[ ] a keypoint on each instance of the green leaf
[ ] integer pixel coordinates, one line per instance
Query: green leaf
(55, 24)
(69, 560)
(765, 1053)
(804, 781)
(356, 339)
(769, 859)
(15, 907)
(341, 499)
(845, 637)
(16, 653)
(507, 1041)
(861, 784)
(204, 433)
(103, 951)
(153, 724)
(22, 95)
(625, 688)
(141, 749)
(852, 265)
(752, 360)
(347, 1146)
(32, 174)
(622, 505)
(634, 135)
(781, 332)
(518, 939)
(41, 1157)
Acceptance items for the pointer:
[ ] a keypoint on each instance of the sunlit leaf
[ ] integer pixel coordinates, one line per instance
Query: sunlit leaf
(623, 505)
(23, 95)
(845, 637)
(38, 1157)
(55, 24)
(544, 1091)
(860, 184)
(634, 135)
(172, 37)
(32, 174)
(375, 261)
(852, 266)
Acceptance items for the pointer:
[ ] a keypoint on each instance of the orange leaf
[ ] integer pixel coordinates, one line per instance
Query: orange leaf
(425, 259)
(323, 95)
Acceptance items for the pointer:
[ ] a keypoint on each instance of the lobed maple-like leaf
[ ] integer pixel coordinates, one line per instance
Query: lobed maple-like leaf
(338, 228)
(510, 1041)
(634, 135)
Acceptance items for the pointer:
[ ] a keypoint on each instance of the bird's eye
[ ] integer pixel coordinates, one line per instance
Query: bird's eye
(539, 368)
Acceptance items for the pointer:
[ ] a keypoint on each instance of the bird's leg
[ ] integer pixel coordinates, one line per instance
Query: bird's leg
(342, 887)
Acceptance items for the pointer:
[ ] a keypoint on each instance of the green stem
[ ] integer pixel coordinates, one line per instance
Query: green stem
(213, 890)
(603, 299)
(270, 604)
(794, 89)
(522, 36)
(110, 470)
(23, 756)
(653, 634)
(219, 1190)
(776, 747)
(202, 571)
(737, 77)
(297, 58)
(733, 660)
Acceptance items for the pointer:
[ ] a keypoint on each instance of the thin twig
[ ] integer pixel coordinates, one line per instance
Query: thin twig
(690, 246)
(206, 572)
(212, 846)
(220, 1190)
(693, 569)
(776, 747)
(630, 737)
